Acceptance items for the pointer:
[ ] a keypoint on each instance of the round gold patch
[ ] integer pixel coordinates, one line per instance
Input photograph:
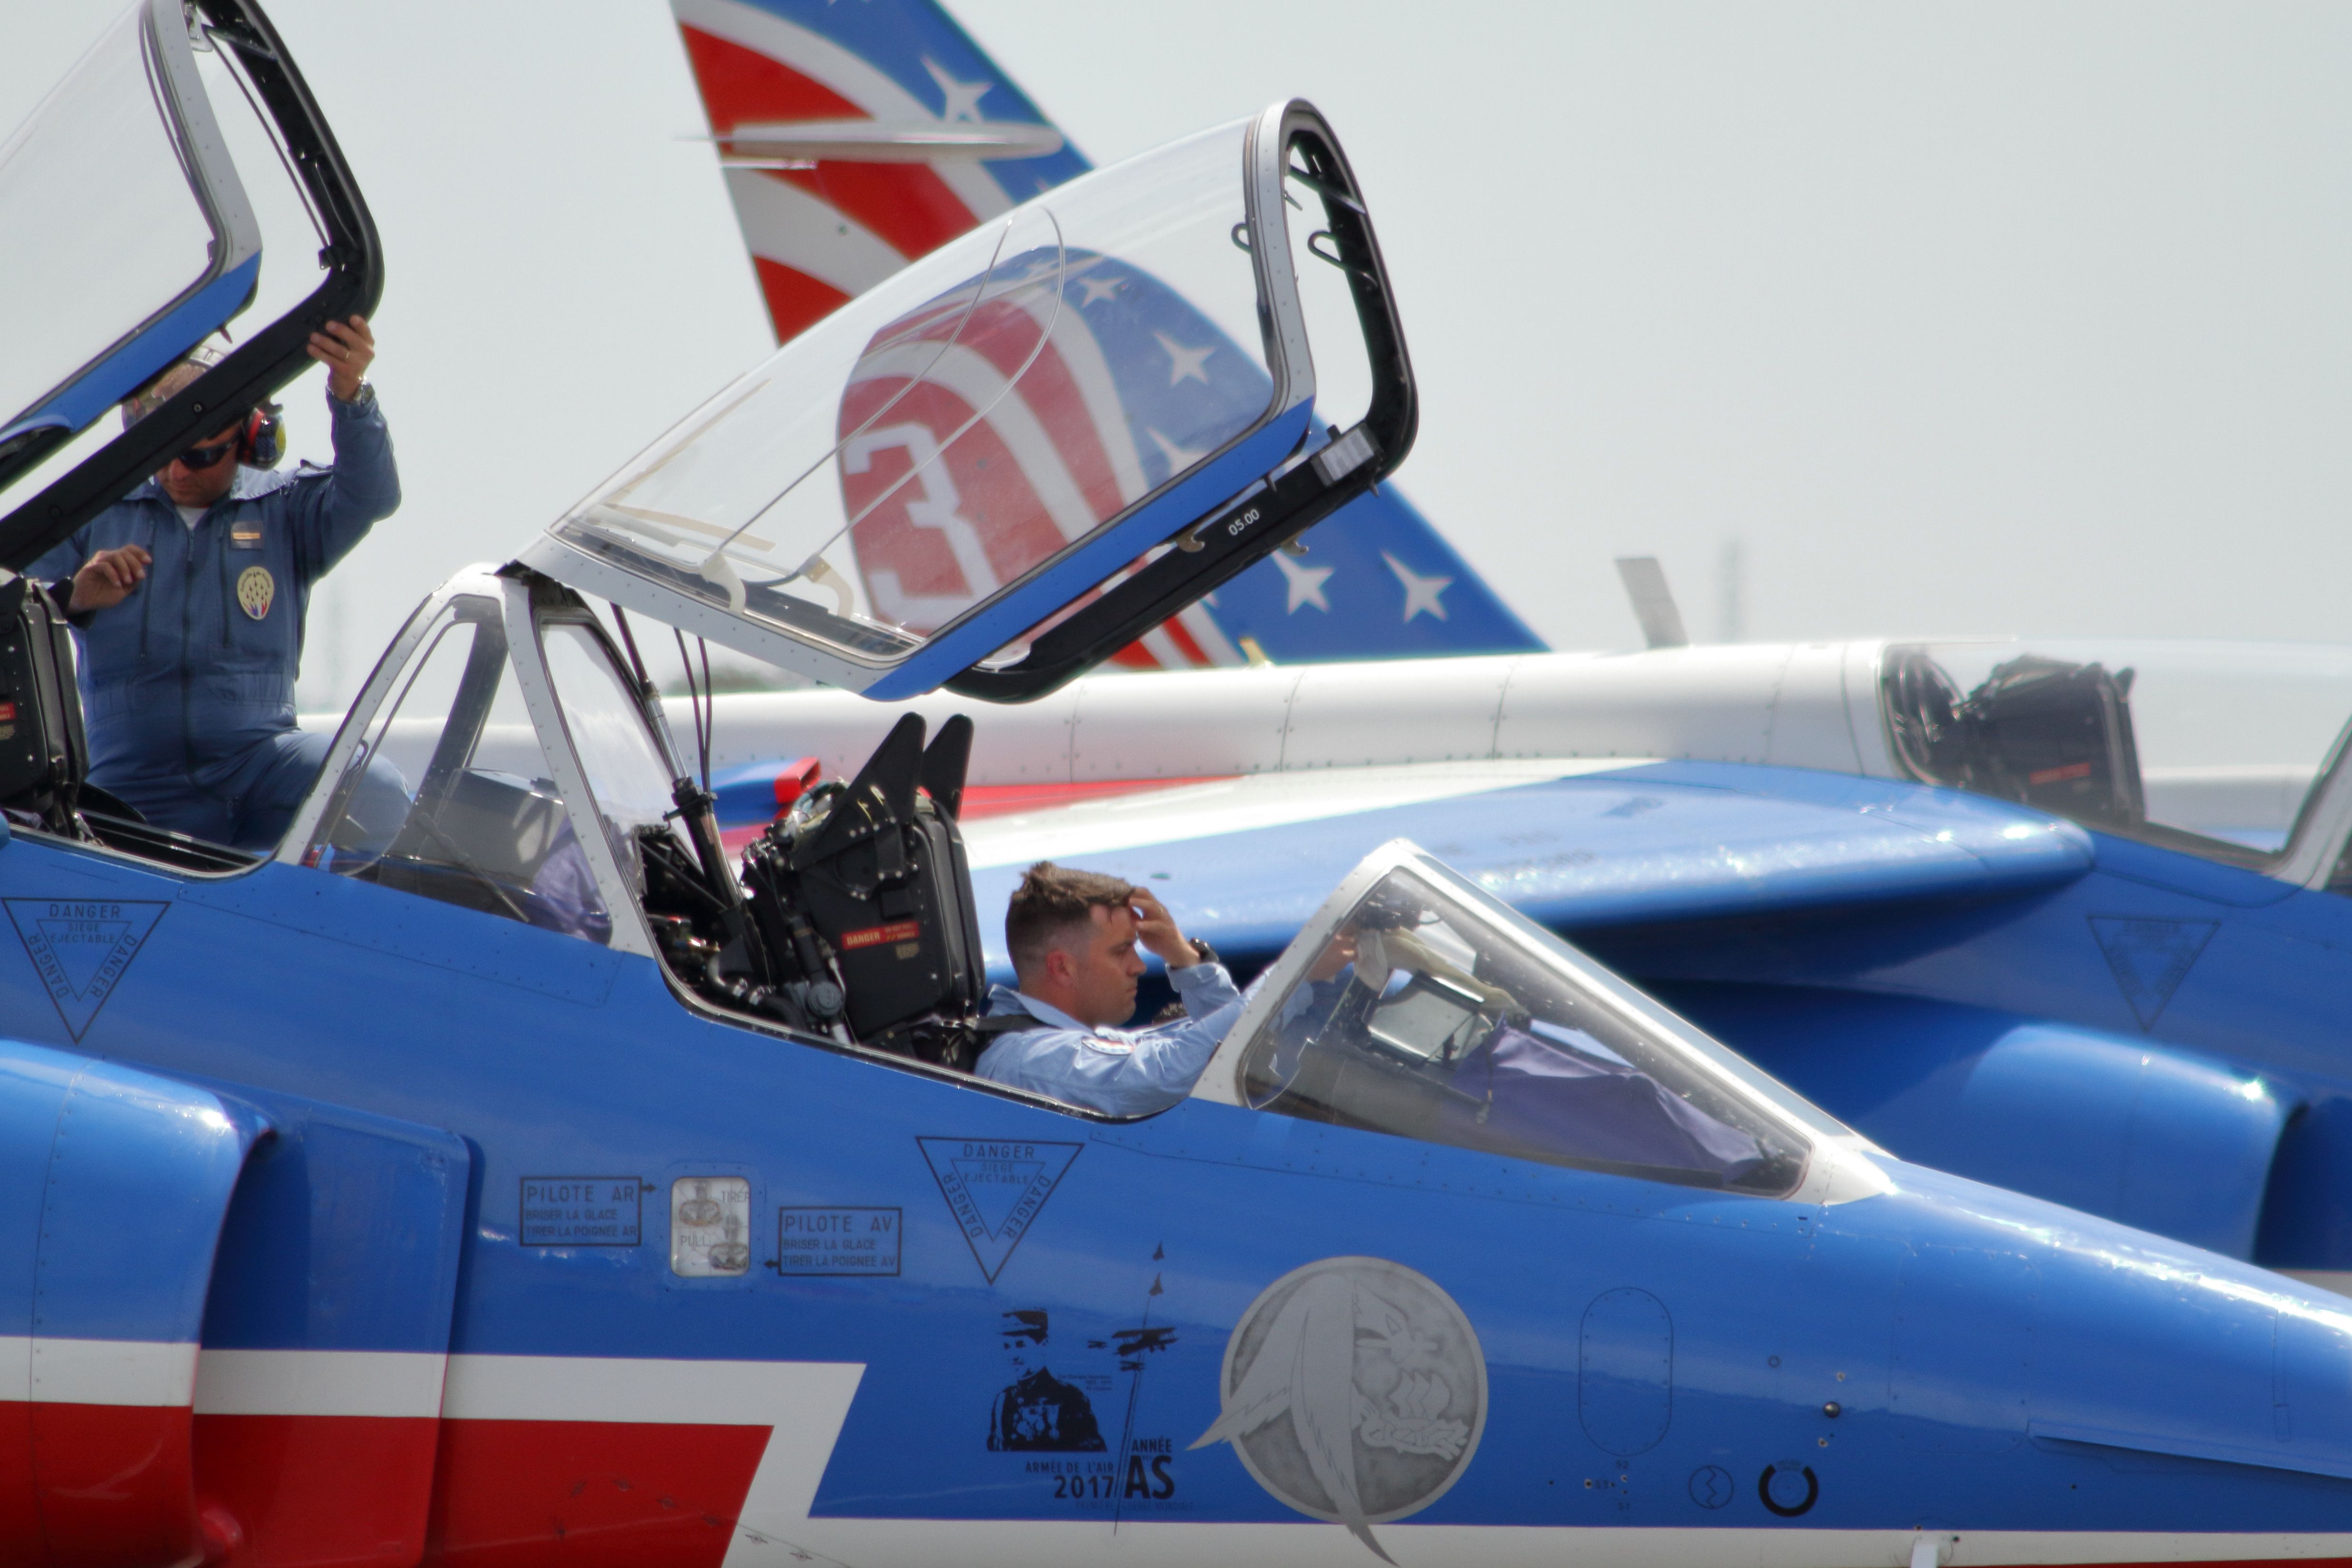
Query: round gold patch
(254, 589)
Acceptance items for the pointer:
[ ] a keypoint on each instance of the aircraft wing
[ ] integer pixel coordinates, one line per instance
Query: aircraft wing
(1577, 844)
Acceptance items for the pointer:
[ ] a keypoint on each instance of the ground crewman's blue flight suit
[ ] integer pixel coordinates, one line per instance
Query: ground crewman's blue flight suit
(187, 685)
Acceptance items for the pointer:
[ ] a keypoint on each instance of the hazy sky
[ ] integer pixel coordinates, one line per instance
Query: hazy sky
(1987, 317)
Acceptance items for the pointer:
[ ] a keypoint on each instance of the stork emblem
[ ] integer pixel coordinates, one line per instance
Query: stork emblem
(1354, 1390)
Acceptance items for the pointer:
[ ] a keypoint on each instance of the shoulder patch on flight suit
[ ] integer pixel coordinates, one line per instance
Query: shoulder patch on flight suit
(254, 589)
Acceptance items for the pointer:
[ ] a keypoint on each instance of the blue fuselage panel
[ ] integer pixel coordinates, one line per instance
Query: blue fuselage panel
(1041, 1303)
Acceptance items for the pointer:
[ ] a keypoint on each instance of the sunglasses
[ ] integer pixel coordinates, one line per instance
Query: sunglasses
(206, 456)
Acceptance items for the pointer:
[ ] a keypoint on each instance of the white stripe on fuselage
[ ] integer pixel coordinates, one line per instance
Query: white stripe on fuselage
(1254, 801)
(803, 1404)
(319, 1382)
(96, 1371)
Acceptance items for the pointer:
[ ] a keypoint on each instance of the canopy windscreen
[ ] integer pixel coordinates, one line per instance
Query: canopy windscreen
(138, 235)
(915, 455)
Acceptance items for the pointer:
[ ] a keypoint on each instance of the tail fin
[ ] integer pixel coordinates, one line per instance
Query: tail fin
(854, 137)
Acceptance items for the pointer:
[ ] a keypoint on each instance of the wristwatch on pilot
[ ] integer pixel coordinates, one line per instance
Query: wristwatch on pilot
(1206, 954)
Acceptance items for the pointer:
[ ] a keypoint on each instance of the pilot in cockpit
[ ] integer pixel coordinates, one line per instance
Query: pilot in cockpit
(1073, 936)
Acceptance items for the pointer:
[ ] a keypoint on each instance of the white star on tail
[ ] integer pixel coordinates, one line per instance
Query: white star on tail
(1304, 582)
(1098, 289)
(1183, 363)
(1179, 457)
(961, 97)
(1420, 592)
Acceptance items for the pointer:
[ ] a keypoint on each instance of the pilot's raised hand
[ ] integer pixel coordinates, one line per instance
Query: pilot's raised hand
(1337, 955)
(1156, 929)
(106, 579)
(346, 349)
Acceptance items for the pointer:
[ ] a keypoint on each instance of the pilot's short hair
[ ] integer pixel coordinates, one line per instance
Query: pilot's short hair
(1052, 899)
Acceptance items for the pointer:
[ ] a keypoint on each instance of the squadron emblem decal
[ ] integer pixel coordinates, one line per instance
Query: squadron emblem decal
(2150, 957)
(81, 947)
(254, 589)
(1355, 1391)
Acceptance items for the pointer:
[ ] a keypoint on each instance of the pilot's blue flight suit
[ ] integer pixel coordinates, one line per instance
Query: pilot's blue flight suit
(187, 685)
(1125, 1072)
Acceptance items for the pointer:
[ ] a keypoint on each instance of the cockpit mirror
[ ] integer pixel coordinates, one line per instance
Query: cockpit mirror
(1025, 449)
(1426, 1019)
(141, 196)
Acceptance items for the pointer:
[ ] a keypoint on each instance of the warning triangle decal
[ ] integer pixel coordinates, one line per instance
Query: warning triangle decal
(996, 1187)
(2150, 957)
(82, 947)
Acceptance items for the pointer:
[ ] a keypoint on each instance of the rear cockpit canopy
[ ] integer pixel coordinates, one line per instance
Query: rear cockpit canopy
(2230, 751)
(1015, 455)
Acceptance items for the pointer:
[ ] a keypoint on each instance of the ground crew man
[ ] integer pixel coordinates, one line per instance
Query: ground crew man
(188, 598)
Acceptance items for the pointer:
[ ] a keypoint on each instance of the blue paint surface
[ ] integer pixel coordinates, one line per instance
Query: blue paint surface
(424, 1093)
(117, 1181)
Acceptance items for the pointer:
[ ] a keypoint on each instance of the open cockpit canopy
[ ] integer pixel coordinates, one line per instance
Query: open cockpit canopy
(180, 182)
(1018, 454)
(2231, 751)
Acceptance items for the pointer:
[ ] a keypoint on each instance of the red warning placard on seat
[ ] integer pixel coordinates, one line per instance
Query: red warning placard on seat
(875, 936)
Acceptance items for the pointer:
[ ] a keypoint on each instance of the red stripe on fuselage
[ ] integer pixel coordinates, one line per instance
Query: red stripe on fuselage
(1003, 800)
(113, 1482)
(342, 1490)
(20, 1518)
(591, 1494)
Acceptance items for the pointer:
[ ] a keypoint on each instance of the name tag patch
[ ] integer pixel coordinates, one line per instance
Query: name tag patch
(254, 589)
(244, 536)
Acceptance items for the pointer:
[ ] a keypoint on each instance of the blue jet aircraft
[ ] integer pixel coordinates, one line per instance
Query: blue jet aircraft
(2064, 918)
(491, 1174)
(854, 138)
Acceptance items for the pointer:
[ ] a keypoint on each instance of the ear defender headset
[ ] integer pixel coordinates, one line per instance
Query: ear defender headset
(261, 439)
(260, 435)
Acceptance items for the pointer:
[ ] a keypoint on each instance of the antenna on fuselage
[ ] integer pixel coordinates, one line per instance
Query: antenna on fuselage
(1654, 601)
